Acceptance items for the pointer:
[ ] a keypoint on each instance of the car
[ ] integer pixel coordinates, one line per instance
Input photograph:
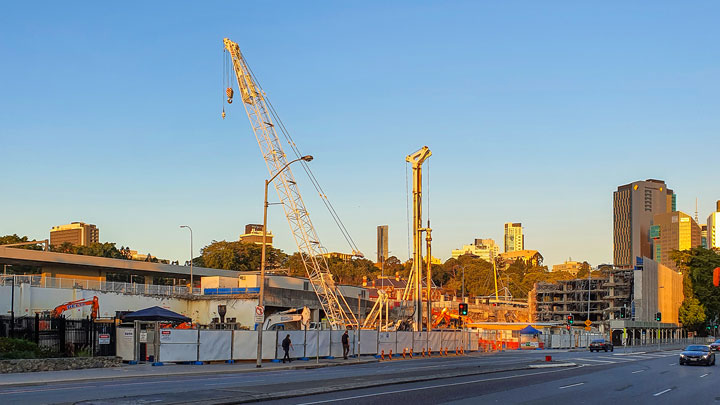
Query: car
(697, 354)
(600, 344)
(715, 345)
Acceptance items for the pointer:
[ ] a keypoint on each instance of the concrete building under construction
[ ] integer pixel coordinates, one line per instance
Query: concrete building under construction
(595, 298)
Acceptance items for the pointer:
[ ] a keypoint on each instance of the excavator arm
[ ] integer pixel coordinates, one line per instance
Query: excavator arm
(58, 311)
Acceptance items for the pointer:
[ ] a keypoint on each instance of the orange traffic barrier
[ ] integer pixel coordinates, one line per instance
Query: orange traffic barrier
(429, 350)
(390, 355)
(382, 355)
(411, 354)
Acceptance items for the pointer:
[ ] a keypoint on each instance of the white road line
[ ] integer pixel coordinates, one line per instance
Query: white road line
(637, 371)
(704, 375)
(662, 392)
(571, 385)
(628, 354)
(600, 361)
(430, 387)
(46, 389)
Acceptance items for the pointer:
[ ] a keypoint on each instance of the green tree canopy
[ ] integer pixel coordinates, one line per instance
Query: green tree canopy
(239, 256)
(697, 266)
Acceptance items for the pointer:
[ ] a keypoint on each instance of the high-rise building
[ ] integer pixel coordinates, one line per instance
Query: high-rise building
(634, 206)
(514, 239)
(76, 233)
(713, 233)
(382, 243)
(254, 234)
(673, 231)
(703, 235)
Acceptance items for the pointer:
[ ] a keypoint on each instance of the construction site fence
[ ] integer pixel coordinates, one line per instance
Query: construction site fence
(95, 285)
(60, 336)
(191, 345)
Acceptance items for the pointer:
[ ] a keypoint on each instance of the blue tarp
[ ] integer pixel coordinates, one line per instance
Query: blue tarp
(529, 330)
(155, 314)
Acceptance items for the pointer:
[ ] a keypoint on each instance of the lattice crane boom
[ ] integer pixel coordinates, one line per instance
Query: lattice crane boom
(253, 98)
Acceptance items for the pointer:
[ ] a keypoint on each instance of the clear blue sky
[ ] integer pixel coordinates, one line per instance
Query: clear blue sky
(535, 112)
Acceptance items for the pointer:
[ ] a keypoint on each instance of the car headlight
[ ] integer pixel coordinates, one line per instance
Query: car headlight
(682, 355)
(706, 356)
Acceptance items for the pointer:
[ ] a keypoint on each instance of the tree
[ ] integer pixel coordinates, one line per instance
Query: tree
(692, 314)
(239, 256)
(697, 266)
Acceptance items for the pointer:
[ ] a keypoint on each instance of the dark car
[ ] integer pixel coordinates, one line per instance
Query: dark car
(600, 344)
(715, 346)
(697, 354)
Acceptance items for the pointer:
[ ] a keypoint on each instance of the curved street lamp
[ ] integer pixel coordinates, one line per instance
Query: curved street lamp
(261, 297)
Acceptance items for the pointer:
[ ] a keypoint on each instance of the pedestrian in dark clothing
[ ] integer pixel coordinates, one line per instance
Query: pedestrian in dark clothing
(286, 345)
(346, 344)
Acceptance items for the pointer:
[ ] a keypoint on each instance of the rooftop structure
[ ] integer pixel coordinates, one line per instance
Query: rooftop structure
(75, 233)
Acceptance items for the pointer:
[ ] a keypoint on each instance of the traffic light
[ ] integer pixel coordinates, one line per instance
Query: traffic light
(658, 317)
(570, 319)
(463, 309)
(622, 313)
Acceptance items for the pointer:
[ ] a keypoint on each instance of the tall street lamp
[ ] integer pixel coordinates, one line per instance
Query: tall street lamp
(261, 298)
(191, 257)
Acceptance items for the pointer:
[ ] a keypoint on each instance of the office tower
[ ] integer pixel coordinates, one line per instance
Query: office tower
(485, 249)
(634, 206)
(514, 240)
(382, 243)
(76, 233)
(254, 234)
(713, 233)
(673, 231)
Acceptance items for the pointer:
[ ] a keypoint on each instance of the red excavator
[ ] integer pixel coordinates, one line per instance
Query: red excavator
(77, 304)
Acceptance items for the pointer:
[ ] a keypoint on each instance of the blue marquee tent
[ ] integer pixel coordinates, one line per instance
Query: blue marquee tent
(156, 314)
(529, 330)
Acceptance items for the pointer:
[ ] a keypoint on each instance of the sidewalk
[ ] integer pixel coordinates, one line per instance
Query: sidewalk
(147, 370)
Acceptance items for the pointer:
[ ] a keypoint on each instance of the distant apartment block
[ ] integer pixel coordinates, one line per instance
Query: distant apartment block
(529, 257)
(514, 239)
(713, 233)
(569, 266)
(382, 243)
(634, 206)
(254, 234)
(673, 231)
(76, 233)
(485, 249)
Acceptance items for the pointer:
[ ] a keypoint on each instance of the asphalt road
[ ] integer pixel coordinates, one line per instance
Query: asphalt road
(652, 378)
(598, 377)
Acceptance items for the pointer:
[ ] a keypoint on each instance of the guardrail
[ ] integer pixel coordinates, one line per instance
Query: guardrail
(96, 285)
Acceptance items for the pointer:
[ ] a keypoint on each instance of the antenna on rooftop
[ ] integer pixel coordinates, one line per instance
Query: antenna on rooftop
(696, 211)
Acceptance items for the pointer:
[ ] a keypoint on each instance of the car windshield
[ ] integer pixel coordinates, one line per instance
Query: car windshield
(697, 349)
(717, 341)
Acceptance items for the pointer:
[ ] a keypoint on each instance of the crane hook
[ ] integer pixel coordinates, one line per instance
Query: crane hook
(229, 92)
(223, 113)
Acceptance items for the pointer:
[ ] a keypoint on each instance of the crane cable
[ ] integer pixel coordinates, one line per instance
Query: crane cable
(313, 179)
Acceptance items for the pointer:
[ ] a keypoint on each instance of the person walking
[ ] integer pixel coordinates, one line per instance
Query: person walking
(346, 344)
(286, 345)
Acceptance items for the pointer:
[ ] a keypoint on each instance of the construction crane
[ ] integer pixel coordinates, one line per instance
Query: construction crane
(260, 113)
(77, 304)
(413, 290)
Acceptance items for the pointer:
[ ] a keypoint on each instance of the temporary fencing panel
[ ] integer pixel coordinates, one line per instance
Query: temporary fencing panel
(178, 345)
(420, 342)
(336, 349)
(125, 344)
(474, 341)
(245, 344)
(297, 348)
(436, 340)
(404, 341)
(368, 342)
(215, 345)
(311, 343)
(387, 341)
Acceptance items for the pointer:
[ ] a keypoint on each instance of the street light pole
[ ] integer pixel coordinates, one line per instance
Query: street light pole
(261, 296)
(191, 257)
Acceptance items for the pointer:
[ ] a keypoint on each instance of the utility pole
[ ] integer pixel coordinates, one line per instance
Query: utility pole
(428, 240)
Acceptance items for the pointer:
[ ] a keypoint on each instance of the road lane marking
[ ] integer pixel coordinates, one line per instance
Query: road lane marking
(600, 361)
(704, 375)
(46, 389)
(571, 385)
(637, 371)
(431, 387)
(662, 392)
